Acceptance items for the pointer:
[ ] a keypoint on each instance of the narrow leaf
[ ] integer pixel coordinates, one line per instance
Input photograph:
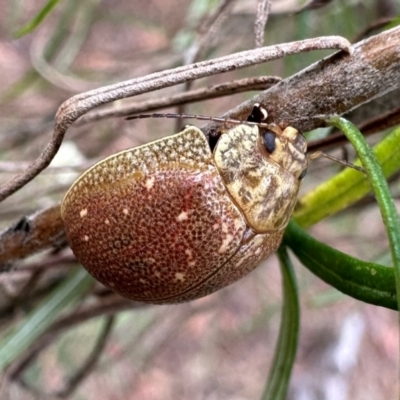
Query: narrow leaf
(348, 186)
(35, 22)
(37, 322)
(381, 189)
(285, 351)
(369, 282)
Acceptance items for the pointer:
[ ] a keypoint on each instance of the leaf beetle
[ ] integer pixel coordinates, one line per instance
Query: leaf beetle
(177, 219)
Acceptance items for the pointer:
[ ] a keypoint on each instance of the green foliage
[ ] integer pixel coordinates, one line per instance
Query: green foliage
(369, 282)
(42, 316)
(35, 22)
(348, 186)
(286, 348)
(365, 281)
(381, 190)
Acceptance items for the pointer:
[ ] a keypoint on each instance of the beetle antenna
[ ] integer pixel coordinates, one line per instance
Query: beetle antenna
(318, 154)
(199, 117)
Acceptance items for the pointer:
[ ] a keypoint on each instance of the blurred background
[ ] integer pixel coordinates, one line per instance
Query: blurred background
(219, 347)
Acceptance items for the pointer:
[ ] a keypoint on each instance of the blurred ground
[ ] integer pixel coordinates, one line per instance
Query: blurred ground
(219, 347)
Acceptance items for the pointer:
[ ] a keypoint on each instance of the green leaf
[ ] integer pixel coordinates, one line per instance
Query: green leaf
(348, 186)
(35, 22)
(285, 351)
(37, 322)
(381, 189)
(369, 282)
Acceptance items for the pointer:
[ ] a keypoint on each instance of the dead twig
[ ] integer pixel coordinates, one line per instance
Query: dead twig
(87, 367)
(78, 105)
(263, 9)
(220, 90)
(31, 234)
(334, 85)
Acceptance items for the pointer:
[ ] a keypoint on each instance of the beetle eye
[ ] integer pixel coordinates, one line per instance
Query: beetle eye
(269, 141)
(303, 174)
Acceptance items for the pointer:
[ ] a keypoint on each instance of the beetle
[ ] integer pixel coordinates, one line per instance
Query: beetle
(177, 219)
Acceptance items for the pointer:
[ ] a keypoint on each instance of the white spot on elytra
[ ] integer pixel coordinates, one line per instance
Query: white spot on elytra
(238, 224)
(240, 262)
(149, 183)
(191, 263)
(86, 238)
(157, 274)
(247, 255)
(125, 211)
(179, 276)
(189, 253)
(107, 222)
(225, 244)
(141, 280)
(83, 213)
(182, 216)
(215, 227)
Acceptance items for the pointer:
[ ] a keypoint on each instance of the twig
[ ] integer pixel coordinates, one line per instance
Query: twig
(50, 262)
(204, 39)
(207, 31)
(220, 90)
(31, 234)
(106, 307)
(313, 5)
(369, 127)
(380, 23)
(18, 166)
(87, 367)
(78, 105)
(334, 85)
(263, 9)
